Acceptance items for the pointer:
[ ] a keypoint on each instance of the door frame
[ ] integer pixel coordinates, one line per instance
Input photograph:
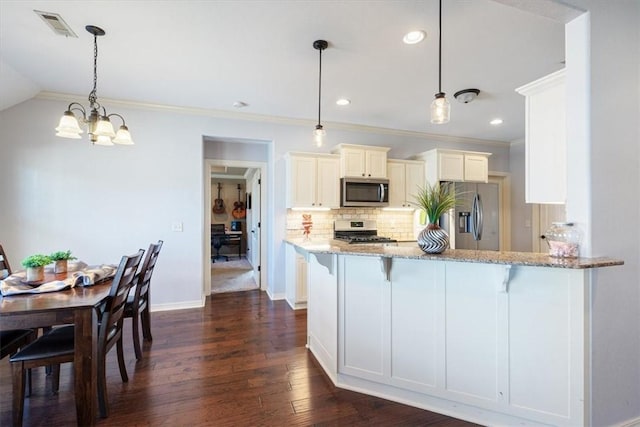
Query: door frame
(503, 179)
(206, 235)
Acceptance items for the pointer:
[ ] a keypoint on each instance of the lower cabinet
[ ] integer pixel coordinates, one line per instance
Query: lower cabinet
(510, 340)
(296, 279)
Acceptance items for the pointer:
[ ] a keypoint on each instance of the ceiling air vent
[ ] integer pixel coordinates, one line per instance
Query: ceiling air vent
(56, 23)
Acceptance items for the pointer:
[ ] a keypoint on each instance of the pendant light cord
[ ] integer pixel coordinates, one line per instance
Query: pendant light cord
(440, 49)
(319, 84)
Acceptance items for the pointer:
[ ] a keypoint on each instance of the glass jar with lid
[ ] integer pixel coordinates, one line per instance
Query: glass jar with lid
(563, 239)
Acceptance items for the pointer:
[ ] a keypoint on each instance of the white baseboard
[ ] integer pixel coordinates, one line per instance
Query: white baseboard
(177, 306)
(296, 305)
(274, 297)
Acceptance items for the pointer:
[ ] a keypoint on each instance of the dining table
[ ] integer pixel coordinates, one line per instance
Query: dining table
(78, 306)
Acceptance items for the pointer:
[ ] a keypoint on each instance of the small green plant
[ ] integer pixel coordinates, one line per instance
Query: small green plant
(35, 261)
(61, 255)
(435, 200)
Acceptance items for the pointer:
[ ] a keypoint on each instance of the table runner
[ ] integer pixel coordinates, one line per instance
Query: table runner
(80, 275)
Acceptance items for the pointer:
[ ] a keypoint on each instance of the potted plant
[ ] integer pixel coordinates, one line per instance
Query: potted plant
(61, 259)
(435, 200)
(35, 267)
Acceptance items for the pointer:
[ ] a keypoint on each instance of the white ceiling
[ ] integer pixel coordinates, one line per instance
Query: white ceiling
(209, 54)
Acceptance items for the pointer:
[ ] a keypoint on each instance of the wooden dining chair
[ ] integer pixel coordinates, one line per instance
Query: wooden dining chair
(137, 307)
(57, 346)
(4, 263)
(12, 340)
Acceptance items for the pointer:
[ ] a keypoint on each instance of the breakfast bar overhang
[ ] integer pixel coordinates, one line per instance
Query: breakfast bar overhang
(498, 338)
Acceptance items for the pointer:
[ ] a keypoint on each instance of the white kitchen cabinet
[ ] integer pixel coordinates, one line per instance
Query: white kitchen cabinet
(362, 161)
(296, 279)
(449, 166)
(476, 168)
(545, 139)
(313, 180)
(455, 165)
(405, 176)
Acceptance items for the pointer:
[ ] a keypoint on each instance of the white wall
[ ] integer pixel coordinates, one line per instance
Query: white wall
(604, 173)
(102, 202)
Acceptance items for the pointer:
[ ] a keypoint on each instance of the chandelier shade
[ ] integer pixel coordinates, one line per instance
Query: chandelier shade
(69, 126)
(98, 122)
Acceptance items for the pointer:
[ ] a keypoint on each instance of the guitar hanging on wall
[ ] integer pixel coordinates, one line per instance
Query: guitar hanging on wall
(238, 208)
(218, 205)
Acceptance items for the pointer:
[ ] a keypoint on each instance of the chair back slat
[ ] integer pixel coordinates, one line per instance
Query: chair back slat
(123, 281)
(144, 280)
(4, 263)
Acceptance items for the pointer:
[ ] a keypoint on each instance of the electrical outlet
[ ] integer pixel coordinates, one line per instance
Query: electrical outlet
(176, 226)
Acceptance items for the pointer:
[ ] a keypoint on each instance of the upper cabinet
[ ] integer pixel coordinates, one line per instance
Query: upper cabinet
(362, 161)
(405, 176)
(455, 165)
(545, 139)
(313, 180)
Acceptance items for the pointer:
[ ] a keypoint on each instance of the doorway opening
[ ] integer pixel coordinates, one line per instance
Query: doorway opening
(234, 247)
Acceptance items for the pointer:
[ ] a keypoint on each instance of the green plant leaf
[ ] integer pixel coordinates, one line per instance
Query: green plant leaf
(61, 255)
(37, 260)
(436, 199)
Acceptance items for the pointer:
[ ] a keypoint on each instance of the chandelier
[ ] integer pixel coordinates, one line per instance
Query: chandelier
(98, 122)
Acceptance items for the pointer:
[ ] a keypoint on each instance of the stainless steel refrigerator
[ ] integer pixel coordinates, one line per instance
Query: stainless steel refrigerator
(476, 222)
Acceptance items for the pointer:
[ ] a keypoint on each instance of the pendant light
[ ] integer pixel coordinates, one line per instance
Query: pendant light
(98, 123)
(440, 107)
(319, 132)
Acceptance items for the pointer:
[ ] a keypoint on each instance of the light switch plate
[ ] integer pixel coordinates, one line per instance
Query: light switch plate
(176, 226)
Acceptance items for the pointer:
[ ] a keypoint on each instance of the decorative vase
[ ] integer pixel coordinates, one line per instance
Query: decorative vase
(433, 239)
(60, 266)
(35, 274)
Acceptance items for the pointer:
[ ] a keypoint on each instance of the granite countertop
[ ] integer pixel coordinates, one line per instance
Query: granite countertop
(457, 255)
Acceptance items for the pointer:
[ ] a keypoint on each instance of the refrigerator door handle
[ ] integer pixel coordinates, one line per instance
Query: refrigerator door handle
(480, 213)
(474, 217)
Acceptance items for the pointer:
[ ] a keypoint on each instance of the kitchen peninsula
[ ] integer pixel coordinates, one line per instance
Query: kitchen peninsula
(497, 338)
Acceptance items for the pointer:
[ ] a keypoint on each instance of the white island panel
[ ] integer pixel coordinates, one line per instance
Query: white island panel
(471, 330)
(322, 311)
(415, 330)
(546, 311)
(365, 323)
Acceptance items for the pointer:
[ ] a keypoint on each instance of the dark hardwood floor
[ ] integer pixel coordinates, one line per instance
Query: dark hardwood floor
(240, 361)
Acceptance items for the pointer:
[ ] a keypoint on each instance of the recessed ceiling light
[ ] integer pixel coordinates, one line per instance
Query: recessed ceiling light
(240, 104)
(496, 122)
(343, 101)
(413, 37)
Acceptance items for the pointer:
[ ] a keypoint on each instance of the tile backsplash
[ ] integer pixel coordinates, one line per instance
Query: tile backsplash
(397, 225)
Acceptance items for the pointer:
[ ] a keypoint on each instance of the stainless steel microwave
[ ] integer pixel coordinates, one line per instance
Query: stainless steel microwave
(371, 192)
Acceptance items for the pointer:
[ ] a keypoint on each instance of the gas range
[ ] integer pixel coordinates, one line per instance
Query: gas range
(359, 232)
